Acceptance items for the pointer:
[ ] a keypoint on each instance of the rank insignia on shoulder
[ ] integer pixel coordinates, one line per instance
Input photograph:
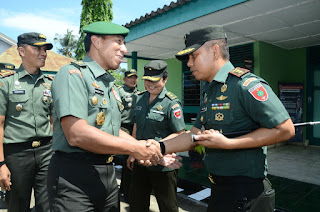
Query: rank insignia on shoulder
(239, 71)
(171, 95)
(75, 71)
(6, 73)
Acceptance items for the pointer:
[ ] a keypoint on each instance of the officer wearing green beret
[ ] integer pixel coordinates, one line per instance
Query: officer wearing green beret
(87, 130)
(235, 100)
(26, 126)
(129, 94)
(158, 115)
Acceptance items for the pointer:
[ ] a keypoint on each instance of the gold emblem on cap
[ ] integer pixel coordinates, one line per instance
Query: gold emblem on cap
(201, 119)
(94, 100)
(219, 117)
(159, 107)
(101, 117)
(42, 36)
(185, 51)
(224, 88)
(19, 107)
(222, 97)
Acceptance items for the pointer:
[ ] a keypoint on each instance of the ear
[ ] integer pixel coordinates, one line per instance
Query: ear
(95, 40)
(21, 51)
(216, 51)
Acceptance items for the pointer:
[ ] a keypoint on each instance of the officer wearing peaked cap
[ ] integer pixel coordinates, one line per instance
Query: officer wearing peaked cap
(158, 115)
(26, 119)
(235, 100)
(87, 126)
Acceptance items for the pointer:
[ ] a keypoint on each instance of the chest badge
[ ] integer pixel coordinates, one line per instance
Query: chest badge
(19, 107)
(129, 104)
(159, 107)
(224, 88)
(104, 101)
(219, 117)
(101, 117)
(201, 119)
(221, 98)
(94, 100)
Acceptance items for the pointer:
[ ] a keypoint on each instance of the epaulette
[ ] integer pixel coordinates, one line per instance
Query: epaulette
(79, 64)
(49, 77)
(142, 92)
(5, 73)
(171, 95)
(239, 71)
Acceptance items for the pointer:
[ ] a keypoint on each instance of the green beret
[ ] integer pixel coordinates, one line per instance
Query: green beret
(154, 70)
(6, 66)
(34, 39)
(130, 73)
(196, 38)
(105, 28)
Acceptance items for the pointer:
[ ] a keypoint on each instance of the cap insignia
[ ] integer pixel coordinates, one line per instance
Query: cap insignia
(186, 51)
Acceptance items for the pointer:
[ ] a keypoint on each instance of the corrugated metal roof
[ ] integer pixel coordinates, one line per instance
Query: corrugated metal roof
(159, 11)
(54, 61)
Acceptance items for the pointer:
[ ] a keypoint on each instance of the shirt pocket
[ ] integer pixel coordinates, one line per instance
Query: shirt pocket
(156, 116)
(17, 104)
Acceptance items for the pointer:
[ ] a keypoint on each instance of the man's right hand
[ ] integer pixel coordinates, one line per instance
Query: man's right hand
(5, 175)
(145, 151)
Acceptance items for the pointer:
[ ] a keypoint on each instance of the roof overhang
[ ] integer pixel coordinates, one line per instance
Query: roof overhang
(288, 24)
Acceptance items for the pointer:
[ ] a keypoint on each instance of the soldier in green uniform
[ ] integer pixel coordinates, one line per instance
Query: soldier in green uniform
(235, 100)
(26, 126)
(158, 115)
(87, 120)
(129, 94)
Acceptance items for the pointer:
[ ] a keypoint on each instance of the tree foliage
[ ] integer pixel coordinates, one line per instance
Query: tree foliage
(92, 11)
(68, 43)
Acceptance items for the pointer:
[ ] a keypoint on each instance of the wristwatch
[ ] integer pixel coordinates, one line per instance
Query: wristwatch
(2, 163)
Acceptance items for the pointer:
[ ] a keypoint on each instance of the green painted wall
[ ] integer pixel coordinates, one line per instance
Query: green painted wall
(275, 64)
(174, 83)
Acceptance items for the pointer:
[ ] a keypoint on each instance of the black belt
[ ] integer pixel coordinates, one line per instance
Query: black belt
(215, 179)
(95, 159)
(31, 144)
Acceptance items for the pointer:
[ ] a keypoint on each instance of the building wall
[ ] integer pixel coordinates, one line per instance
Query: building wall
(4, 46)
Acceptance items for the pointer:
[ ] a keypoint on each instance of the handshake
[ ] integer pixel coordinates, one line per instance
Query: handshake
(150, 153)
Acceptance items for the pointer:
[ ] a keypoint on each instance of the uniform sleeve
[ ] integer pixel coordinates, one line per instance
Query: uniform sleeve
(262, 104)
(70, 96)
(176, 119)
(3, 97)
(197, 123)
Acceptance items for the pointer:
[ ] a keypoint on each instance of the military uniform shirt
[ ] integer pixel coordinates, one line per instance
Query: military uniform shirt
(26, 105)
(236, 103)
(162, 117)
(129, 99)
(86, 91)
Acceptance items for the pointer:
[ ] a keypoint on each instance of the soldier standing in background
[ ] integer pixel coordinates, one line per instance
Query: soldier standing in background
(26, 126)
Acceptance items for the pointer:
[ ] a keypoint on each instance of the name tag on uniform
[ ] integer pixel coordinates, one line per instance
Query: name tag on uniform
(99, 91)
(156, 111)
(19, 91)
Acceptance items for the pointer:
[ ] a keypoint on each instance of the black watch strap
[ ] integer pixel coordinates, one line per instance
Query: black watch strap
(2, 163)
